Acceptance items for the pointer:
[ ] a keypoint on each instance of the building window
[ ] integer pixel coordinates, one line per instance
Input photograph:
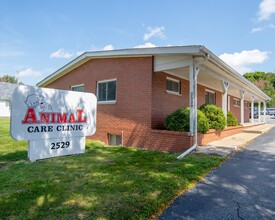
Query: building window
(114, 139)
(246, 104)
(78, 88)
(236, 102)
(106, 91)
(172, 86)
(210, 97)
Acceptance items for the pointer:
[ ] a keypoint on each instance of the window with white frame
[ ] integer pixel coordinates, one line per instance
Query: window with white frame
(236, 102)
(246, 104)
(173, 86)
(114, 139)
(106, 91)
(78, 88)
(210, 97)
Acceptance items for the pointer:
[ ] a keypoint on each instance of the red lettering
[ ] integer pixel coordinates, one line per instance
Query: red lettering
(53, 117)
(30, 117)
(61, 118)
(44, 117)
(71, 118)
(79, 116)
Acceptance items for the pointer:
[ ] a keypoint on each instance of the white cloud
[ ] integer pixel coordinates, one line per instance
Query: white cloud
(28, 73)
(259, 29)
(266, 9)
(79, 53)
(61, 53)
(154, 31)
(108, 47)
(146, 45)
(242, 61)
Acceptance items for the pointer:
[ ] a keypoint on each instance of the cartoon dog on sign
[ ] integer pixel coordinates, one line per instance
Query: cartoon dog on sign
(37, 102)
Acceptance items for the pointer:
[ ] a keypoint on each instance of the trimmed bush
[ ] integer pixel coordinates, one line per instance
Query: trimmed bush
(180, 119)
(215, 116)
(203, 124)
(231, 119)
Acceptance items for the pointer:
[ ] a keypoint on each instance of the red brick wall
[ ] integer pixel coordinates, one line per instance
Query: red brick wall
(141, 103)
(171, 141)
(237, 110)
(201, 96)
(164, 103)
(131, 114)
(213, 135)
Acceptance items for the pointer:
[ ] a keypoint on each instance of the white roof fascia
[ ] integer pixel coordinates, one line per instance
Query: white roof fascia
(195, 50)
(212, 57)
(191, 50)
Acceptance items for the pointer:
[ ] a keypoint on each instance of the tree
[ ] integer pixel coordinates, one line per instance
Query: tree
(10, 79)
(266, 82)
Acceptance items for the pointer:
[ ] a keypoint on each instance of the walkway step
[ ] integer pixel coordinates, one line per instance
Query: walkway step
(259, 129)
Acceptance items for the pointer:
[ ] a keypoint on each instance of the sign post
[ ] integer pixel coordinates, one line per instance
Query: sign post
(55, 122)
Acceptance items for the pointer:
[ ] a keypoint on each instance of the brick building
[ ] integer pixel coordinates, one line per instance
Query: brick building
(138, 88)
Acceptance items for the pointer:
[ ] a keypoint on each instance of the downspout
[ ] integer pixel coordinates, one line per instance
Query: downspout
(193, 73)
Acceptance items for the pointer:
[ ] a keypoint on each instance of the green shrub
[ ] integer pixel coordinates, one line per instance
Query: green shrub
(231, 119)
(215, 116)
(180, 119)
(203, 124)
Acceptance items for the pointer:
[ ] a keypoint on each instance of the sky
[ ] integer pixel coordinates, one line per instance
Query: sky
(39, 37)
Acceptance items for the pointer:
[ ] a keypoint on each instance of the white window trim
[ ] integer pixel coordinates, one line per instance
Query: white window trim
(107, 80)
(211, 91)
(235, 99)
(172, 79)
(172, 92)
(74, 86)
(106, 102)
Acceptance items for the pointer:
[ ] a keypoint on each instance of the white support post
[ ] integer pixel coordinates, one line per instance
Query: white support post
(225, 86)
(252, 110)
(242, 106)
(228, 103)
(264, 112)
(259, 110)
(193, 74)
(191, 99)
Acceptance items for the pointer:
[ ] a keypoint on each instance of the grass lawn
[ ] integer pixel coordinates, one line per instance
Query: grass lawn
(104, 183)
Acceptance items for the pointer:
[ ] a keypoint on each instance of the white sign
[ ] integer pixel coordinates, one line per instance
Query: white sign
(41, 149)
(50, 115)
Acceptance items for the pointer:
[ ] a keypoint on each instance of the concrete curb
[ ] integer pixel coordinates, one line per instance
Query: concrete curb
(229, 145)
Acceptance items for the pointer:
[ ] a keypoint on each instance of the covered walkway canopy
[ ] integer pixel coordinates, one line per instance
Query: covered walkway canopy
(194, 63)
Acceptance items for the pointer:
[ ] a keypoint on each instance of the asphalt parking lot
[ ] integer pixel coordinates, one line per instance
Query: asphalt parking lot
(242, 188)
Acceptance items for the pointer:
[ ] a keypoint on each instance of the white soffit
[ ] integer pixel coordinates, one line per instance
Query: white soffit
(162, 63)
(168, 58)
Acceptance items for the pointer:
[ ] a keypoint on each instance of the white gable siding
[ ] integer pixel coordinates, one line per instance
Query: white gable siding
(4, 108)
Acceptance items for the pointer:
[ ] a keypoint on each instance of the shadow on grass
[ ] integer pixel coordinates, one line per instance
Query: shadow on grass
(242, 188)
(105, 182)
(14, 156)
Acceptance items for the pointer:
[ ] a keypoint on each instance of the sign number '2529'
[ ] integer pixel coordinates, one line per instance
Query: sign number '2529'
(54, 121)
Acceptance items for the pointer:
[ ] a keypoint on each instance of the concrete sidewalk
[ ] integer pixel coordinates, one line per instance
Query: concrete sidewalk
(228, 145)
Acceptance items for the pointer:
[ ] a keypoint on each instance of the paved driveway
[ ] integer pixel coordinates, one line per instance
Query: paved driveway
(242, 188)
